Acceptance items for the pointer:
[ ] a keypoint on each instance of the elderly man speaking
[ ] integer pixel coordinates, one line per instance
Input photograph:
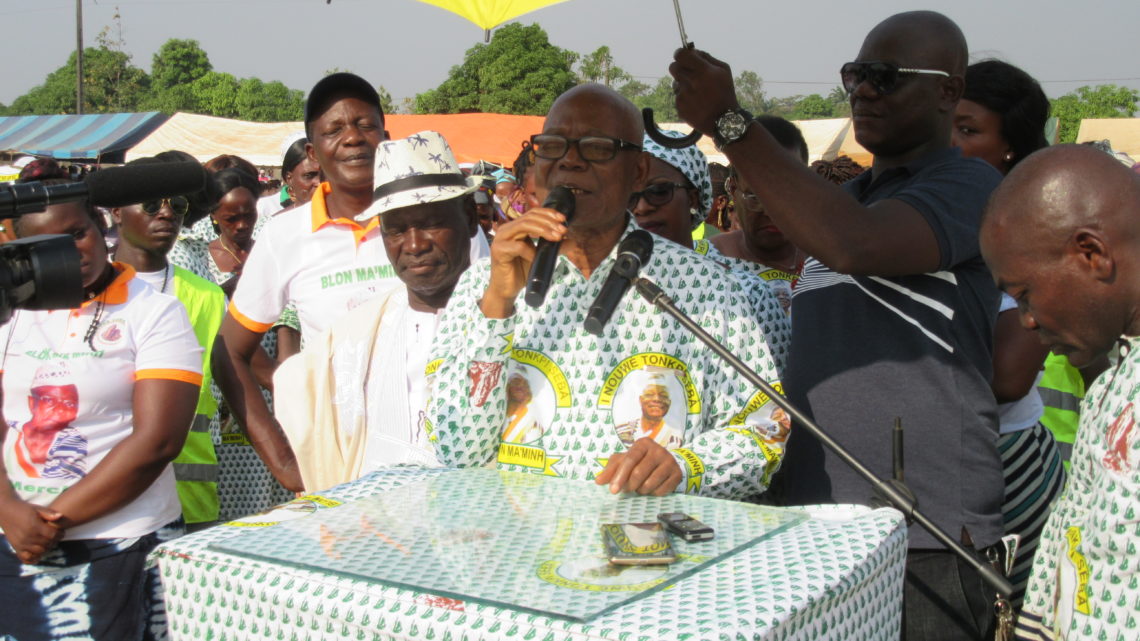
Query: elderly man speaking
(585, 386)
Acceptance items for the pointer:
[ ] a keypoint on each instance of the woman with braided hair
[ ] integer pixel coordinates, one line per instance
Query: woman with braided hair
(97, 401)
(838, 171)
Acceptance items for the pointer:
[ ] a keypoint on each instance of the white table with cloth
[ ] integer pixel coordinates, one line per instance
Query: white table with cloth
(345, 563)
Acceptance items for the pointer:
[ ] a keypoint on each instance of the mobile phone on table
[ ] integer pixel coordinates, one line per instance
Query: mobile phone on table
(685, 526)
(637, 544)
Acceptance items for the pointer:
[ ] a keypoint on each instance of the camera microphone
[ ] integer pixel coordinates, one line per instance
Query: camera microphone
(114, 187)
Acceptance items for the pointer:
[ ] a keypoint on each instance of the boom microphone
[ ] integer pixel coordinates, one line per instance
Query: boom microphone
(632, 254)
(114, 187)
(546, 257)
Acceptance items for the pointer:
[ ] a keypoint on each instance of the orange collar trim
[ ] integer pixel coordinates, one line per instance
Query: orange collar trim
(116, 292)
(320, 216)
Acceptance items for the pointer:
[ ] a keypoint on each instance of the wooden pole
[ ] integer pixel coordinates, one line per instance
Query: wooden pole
(79, 56)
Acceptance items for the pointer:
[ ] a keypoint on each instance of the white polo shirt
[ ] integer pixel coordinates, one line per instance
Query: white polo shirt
(67, 406)
(325, 267)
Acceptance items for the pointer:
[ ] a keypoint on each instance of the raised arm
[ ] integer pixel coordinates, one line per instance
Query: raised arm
(888, 238)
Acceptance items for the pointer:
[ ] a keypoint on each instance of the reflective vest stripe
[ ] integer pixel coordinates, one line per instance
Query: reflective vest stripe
(196, 472)
(1060, 400)
(200, 424)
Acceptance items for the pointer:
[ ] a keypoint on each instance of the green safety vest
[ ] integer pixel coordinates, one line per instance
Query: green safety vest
(196, 466)
(1061, 388)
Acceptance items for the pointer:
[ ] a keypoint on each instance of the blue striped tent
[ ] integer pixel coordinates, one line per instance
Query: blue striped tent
(98, 137)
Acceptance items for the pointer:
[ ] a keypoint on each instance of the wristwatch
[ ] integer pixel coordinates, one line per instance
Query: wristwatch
(731, 126)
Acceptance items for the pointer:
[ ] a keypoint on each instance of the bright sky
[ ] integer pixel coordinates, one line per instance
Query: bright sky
(408, 47)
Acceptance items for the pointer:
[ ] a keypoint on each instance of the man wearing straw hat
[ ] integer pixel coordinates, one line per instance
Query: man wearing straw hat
(337, 430)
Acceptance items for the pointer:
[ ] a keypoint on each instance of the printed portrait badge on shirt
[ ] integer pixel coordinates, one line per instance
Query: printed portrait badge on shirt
(536, 389)
(651, 396)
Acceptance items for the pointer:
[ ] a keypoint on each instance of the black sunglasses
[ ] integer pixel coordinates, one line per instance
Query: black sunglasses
(883, 76)
(657, 194)
(179, 205)
(591, 148)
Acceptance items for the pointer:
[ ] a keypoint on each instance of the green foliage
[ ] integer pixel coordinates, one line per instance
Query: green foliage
(811, 107)
(1102, 101)
(110, 84)
(750, 92)
(386, 103)
(599, 67)
(660, 99)
(518, 72)
(842, 102)
(178, 62)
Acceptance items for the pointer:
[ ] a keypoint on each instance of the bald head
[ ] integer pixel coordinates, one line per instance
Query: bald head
(1057, 190)
(925, 39)
(1059, 235)
(594, 98)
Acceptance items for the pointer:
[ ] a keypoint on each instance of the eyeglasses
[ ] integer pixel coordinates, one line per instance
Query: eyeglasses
(179, 205)
(591, 148)
(883, 76)
(747, 197)
(657, 194)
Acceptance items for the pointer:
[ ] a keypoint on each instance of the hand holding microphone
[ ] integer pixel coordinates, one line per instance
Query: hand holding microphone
(513, 252)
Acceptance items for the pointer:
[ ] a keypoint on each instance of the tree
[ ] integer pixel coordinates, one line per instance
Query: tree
(750, 92)
(841, 101)
(1102, 101)
(110, 84)
(178, 62)
(634, 89)
(599, 67)
(387, 105)
(661, 100)
(518, 72)
(811, 107)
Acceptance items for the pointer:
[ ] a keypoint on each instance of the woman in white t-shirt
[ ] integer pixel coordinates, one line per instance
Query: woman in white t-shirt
(97, 402)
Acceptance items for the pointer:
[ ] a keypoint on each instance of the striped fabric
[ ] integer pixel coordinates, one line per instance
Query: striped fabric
(103, 137)
(1034, 478)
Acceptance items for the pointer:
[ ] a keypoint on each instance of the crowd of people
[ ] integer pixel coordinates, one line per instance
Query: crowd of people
(236, 348)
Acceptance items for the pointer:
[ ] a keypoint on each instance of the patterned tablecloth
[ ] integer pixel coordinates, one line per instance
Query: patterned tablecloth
(837, 575)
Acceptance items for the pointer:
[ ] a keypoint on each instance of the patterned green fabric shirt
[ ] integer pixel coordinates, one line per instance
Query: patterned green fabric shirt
(537, 392)
(1085, 582)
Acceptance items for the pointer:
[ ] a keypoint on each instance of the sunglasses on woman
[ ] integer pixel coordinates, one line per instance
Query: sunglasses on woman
(883, 76)
(179, 205)
(657, 194)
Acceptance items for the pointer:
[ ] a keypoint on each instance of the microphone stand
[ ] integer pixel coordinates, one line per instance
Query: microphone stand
(894, 491)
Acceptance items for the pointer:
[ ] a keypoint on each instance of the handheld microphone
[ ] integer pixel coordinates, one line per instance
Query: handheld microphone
(633, 252)
(546, 257)
(114, 187)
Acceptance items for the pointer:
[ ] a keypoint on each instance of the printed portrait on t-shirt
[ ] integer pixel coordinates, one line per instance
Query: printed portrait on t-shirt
(48, 445)
(530, 404)
(764, 418)
(652, 413)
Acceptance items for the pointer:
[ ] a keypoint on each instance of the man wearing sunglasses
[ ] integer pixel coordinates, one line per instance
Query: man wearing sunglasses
(147, 233)
(586, 388)
(895, 310)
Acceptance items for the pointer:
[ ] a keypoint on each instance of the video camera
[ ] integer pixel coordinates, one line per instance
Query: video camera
(42, 272)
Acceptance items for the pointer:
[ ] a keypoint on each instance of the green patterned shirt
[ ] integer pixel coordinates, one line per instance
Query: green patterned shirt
(536, 392)
(1085, 582)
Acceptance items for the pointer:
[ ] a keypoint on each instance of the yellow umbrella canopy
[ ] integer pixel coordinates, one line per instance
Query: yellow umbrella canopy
(489, 14)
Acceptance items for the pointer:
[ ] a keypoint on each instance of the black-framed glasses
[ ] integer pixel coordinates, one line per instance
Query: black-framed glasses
(179, 205)
(591, 148)
(656, 194)
(883, 76)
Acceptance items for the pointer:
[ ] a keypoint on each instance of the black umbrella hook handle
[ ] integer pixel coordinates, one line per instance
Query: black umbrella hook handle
(656, 135)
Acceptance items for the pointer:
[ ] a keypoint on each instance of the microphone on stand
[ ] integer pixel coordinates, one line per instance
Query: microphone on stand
(633, 252)
(546, 256)
(893, 491)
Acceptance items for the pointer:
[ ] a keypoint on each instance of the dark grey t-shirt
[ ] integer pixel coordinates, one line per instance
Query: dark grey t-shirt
(867, 349)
